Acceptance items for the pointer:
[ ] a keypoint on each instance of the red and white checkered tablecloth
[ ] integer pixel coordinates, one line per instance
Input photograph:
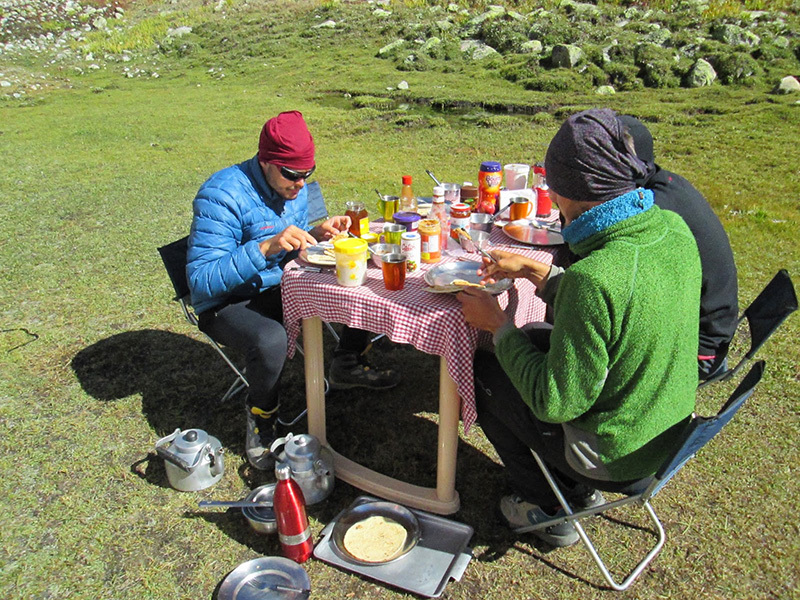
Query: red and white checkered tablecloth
(432, 323)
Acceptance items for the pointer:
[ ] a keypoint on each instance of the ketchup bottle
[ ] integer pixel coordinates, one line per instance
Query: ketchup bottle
(290, 514)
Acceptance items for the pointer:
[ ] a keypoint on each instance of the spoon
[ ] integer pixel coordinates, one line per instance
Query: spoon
(432, 176)
(379, 194)
(235, 503)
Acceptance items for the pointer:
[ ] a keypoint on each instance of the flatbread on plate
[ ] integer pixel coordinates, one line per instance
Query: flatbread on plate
(375, 539)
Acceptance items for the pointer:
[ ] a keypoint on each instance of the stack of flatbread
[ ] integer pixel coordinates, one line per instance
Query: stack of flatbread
(375, 539)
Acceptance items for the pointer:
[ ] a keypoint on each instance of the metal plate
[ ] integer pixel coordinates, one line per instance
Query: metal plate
(526, 233)
(257, 578)
(389, 510)
(445, 274)
(316, 255)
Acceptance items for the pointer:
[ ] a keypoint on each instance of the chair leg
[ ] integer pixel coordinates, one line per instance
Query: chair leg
(237, 386)
(574, 519)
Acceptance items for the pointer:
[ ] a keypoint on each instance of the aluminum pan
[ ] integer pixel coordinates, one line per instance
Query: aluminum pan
(445, 274)
(526, 233)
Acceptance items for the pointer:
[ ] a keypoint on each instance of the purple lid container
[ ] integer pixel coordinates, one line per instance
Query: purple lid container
(491, 166)
(409, 220)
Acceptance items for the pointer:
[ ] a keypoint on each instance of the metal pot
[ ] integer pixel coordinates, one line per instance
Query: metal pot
(192, 458)
(311, 465)
(262, 518)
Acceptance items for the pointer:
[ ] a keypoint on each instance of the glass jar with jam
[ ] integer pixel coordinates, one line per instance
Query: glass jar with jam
(459, 218)
(430, 232)
(359, 218)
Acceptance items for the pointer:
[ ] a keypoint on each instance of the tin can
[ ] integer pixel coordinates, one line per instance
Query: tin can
(459, 218)
(411, 246)
(430, 233)
(489, 179)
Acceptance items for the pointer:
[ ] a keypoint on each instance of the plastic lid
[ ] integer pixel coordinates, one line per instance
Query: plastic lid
(350, 246)
(406, 179)
(491, 165)
(438, 191)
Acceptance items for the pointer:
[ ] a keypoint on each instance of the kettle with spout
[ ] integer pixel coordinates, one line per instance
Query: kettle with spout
(310, 466)
(192, 458)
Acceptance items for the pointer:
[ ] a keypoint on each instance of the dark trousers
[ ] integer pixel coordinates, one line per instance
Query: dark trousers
(254, 326)
(514, 431)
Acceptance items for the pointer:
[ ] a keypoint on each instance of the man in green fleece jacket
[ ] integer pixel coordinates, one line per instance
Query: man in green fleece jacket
(601, 394)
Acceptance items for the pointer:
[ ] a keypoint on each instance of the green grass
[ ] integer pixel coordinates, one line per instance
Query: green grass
(97, 363)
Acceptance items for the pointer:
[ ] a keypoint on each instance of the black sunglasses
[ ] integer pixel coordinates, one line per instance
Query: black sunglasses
(293, 175)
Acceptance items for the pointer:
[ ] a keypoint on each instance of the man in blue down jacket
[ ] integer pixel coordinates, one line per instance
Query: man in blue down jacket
(247, 220)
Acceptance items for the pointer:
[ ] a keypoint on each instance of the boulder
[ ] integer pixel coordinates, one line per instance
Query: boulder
(733, 35)
(566, 55)
(605, 90)
(531, 47)
(788, 85)
(329, 24)
(701, 74)
(477, 50)
(390, 48)
(430, 44)
(179, 31)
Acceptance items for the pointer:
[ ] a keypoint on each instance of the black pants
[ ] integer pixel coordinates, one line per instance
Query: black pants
(514, 431)
(254, 326)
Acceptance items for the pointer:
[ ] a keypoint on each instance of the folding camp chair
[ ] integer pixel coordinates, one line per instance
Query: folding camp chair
(174, 257)
(697, 434)
(766, 313)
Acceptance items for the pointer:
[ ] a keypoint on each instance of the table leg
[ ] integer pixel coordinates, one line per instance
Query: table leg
(443, 499)
(315, 377)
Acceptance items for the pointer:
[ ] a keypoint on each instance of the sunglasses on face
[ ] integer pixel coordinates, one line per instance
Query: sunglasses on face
(293, 175)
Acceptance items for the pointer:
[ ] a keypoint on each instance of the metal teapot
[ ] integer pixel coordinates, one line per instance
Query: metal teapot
(193, 459)
(310, 468)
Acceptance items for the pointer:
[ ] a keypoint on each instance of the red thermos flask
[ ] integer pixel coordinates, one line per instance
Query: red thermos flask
(290, 515)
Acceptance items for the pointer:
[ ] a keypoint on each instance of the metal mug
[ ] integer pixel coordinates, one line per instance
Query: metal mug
(387, 206)
(391, 233)
(520, 208)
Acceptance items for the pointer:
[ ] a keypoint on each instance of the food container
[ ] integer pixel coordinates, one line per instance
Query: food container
(469, 196)
(490, 177)
(359, 218)
(351, 261)
(409, 220)
(430, 232)
(411, 246)
(261, 518)
(459, 219)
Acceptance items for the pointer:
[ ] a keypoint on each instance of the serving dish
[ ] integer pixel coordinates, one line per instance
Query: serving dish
(389, 510)
(442, 276)
(261, 518)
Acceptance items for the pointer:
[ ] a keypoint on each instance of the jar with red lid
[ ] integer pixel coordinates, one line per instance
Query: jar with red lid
(459, 218)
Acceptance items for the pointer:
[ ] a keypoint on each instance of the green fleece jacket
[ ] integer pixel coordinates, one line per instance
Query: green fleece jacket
(622, 366)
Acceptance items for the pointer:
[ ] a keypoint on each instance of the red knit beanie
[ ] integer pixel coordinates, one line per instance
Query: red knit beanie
(285, 141)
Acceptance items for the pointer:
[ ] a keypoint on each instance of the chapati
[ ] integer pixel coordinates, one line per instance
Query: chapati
(375, 539)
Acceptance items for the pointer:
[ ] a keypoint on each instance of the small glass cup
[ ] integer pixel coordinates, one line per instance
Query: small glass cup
(394, 271)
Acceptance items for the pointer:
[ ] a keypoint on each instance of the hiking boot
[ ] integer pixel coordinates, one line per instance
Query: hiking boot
(261, 432)
(519, 513)
(351, 370)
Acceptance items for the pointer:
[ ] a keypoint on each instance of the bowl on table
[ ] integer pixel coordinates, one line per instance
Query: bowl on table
(378, 250)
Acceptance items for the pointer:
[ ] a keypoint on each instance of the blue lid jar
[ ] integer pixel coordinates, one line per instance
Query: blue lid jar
(491, 166)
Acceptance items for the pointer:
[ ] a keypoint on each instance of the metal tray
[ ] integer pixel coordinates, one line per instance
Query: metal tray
(441, 554)
(526, 233)
(445, 274)
(257, 580)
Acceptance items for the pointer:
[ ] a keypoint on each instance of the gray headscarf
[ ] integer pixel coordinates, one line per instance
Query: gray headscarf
(589, 159)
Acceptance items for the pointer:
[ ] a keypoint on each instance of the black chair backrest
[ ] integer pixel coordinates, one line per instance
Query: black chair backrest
(174, 257)
(775, 302)
(700, 430)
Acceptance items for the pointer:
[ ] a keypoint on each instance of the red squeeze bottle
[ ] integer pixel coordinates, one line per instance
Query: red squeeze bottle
(289, 505)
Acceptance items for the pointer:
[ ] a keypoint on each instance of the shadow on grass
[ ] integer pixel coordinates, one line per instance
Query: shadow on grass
(180, 381)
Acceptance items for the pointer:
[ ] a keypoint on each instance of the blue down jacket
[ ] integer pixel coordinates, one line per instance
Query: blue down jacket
(233, 211)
